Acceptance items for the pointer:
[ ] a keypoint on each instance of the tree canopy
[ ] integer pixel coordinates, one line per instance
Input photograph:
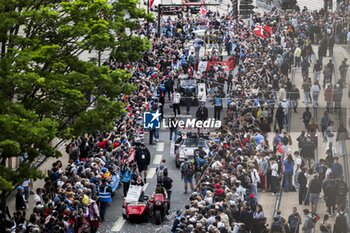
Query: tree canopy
(45, 87)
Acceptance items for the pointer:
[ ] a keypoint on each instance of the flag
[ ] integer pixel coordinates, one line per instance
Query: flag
(263, 32)
(203, 11)
(151, 3)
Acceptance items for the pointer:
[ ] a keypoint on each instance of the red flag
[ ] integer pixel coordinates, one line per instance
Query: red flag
(263, 32)
(151, 3)
(203, 11)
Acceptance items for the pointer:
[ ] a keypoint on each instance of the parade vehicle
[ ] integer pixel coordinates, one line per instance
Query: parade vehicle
(188, 89)
(187, 146)
(158, 209)
(138, 207)
(135, 206)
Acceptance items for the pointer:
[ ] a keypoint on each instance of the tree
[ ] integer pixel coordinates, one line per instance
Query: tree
(46, 89)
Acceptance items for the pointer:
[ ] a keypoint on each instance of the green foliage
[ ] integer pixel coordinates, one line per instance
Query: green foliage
(46, 89)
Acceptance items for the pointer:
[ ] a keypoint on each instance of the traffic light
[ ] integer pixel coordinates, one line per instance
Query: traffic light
(234, 7)
(246, 7)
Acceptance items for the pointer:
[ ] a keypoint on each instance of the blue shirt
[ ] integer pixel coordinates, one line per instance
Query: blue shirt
(288, 166)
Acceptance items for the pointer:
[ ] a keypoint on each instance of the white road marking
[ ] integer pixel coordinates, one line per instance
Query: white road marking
(145, 187)
(118, 225)
(160, 146)
(150, 173)
(157, 159)
(172, 148)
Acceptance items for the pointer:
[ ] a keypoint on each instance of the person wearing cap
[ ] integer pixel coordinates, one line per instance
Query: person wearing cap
(21, 203)
(104, 198)
(177, 222)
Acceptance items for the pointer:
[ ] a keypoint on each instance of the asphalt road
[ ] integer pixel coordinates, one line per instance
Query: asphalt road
(162, 150)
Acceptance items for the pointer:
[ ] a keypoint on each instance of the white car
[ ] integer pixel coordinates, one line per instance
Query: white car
(187, 147)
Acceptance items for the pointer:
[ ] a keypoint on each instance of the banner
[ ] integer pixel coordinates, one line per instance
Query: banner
(226, 65)
(263, 32)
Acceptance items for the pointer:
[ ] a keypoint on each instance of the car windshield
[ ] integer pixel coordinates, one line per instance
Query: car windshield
(194, 142)
(187, 82)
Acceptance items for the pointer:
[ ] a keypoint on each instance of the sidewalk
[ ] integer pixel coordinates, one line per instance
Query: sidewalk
(11, 200)
(290, 199)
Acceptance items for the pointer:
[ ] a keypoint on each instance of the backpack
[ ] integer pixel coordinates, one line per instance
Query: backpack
(293, 222)
(285, 140)
(340, 224)
(307, 116)
(329, 187)
(342, 189)
(276, 227)
(187, 169)
(319, 168)
(160, 172)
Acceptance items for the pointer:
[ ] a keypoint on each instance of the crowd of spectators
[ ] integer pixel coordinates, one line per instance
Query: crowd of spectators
(226, 198)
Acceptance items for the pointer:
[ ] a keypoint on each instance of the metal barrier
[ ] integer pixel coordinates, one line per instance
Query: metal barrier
(290, 113)
(345, 158)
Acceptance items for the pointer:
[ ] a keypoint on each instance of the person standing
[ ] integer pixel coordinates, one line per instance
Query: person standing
(328, 96)
(294, 97)
(294, 221)
(255, 180)
(288, 165)
(217, 106)
(167, 183)
(104, 198)
(309, 224)
(202, 97)
(176, 98)
(328, 188)
(93, 215)
(307, 117)
(274, 175)
(302, 180)
(315, 92)
(202, 113)
(305, 68)
(324, 124)
(343, 69)
(317, 70)
(173, 128)
(331, 42)
(315, 190)
(342, 136)
(187, 173)
(337, 97)
(306, 89)
(126, 177)
(341, 190)
(297, 56)
(21, 204)
(341, 224)
(143, 159)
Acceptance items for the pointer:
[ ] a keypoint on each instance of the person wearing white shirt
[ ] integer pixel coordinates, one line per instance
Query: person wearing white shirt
(297, 168)
(255, 178)
(202, 96)
(176, 98)
(274, 175)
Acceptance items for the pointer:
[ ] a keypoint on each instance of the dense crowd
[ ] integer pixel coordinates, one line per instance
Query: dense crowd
(241, 160)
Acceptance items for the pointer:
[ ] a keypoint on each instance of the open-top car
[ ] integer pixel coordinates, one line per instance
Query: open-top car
(188, 89)
(186, 148)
